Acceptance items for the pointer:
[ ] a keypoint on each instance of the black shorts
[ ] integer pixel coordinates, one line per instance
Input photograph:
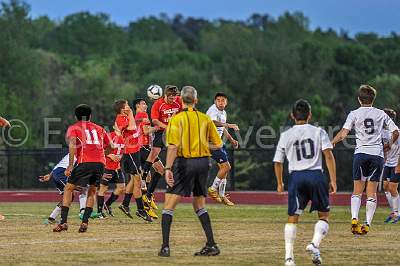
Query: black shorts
(390, 174)
(117, 177)
(130, 163)
(190, 175)
(159, 139)
(144, 154)
(86, 173)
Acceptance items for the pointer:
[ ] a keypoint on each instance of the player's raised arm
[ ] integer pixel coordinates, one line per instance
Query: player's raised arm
(132, 122)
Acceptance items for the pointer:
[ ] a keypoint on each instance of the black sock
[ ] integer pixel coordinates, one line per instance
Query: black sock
(111, 199)
(206, 224)
(166, 222)
(100, 203)
(64, 214)
(153, 184)
(86, 214)
(139, 203)
(146, 169)
(127, 199)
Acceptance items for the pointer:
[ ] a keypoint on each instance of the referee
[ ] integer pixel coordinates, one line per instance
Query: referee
(189, 136)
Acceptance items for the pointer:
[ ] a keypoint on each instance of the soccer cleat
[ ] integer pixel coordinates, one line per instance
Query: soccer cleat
(95, 215)
(49, 221)
(364, 229)
(60, 227)
(151, 212)
(143, 214)
(102, 216)
(149, 202)
(355, 227)
(125, 210)
(164, 252)
(315, 254)
(396, 219)
(213, 193)
(208, 251)
(389, 218)
(226, 200)
(83, 228)
(108, 209)
(289, 262)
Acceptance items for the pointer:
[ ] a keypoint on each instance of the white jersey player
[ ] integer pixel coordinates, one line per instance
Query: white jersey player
(218, 115)
(391, 179)
(303, 145)
(368, 123)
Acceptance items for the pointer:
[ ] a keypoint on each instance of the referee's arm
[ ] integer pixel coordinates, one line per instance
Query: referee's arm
(173, 141)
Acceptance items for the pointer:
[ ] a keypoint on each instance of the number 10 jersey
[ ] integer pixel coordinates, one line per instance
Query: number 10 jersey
(302, 145)
(368, 123)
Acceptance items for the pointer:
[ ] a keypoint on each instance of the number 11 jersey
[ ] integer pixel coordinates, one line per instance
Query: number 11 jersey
(302, 145)
(368, 123)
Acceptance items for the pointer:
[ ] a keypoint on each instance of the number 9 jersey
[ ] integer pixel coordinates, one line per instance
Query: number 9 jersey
(303, 146)
(368, 123)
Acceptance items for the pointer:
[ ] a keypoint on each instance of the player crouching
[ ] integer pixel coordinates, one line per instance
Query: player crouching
(303, 146)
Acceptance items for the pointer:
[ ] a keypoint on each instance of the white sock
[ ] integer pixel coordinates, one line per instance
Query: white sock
(55, 212)
(82, 201)
(370, 209)
(321, 229)
(290, 237)
(355, 206)
(389, 199)
(216, 183)
(395, 202)
(222, 187)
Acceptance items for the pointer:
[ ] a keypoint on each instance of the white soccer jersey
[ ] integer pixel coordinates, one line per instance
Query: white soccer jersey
(368, 123)
(302, 145)
(64, 162)
(392, 156)
(217, 115)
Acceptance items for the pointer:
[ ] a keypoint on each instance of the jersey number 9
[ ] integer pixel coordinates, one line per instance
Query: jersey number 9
(369, 125)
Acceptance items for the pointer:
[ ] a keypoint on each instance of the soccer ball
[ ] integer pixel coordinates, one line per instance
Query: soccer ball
(154, 92)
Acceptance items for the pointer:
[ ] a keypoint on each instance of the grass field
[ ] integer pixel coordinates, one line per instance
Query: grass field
(247, 235)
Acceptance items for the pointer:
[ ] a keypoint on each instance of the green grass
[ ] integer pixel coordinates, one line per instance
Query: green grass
(247, 235)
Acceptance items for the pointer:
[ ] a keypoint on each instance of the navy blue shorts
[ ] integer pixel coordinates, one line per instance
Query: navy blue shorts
(220, 156)
(305, 186)
(59, 178)
(390, 175)
(367, 167)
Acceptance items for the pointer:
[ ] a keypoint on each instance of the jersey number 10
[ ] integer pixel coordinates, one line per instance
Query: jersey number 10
(301, 149)
(90, 139)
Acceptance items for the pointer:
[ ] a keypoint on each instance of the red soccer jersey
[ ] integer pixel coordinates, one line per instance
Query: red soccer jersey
(163, 111)
(131, 137)
(91, 139)
(120, 143)
(144, 140)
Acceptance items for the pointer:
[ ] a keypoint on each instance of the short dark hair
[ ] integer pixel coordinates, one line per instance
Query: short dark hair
(119, 105)
(83, 112)
(171, 90)
(366, 94)
(301, 110)
(391, 113)
(220, 94)
(137, 101)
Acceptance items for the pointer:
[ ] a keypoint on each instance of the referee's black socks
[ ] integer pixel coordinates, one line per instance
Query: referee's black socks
(206, 224)
(166, 226)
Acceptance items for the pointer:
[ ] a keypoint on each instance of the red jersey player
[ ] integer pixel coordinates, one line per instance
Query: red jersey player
(112, 174)
(86, 142)
(145, 129)
(161, 112)
(125, 122)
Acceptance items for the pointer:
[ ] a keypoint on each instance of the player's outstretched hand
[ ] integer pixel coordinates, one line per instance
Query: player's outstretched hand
(332, 187)
(235, 144)
(279, 188)
(44, 178)
(169, 178)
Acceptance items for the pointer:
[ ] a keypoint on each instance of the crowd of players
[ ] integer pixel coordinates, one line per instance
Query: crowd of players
(130, 150)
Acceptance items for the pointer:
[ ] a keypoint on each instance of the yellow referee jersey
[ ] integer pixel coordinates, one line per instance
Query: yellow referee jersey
(192, 132)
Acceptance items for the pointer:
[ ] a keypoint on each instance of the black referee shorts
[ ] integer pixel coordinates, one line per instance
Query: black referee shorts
(86, 173)
(159, 139)
(190, 175)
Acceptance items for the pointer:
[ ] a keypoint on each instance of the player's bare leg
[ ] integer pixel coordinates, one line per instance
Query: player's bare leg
(370, 205)
(392, 187)
(290, 237)
(389, 200)
(91, 199)
(321, 229)
(359, 187)
(67, 198)
(217, 189)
